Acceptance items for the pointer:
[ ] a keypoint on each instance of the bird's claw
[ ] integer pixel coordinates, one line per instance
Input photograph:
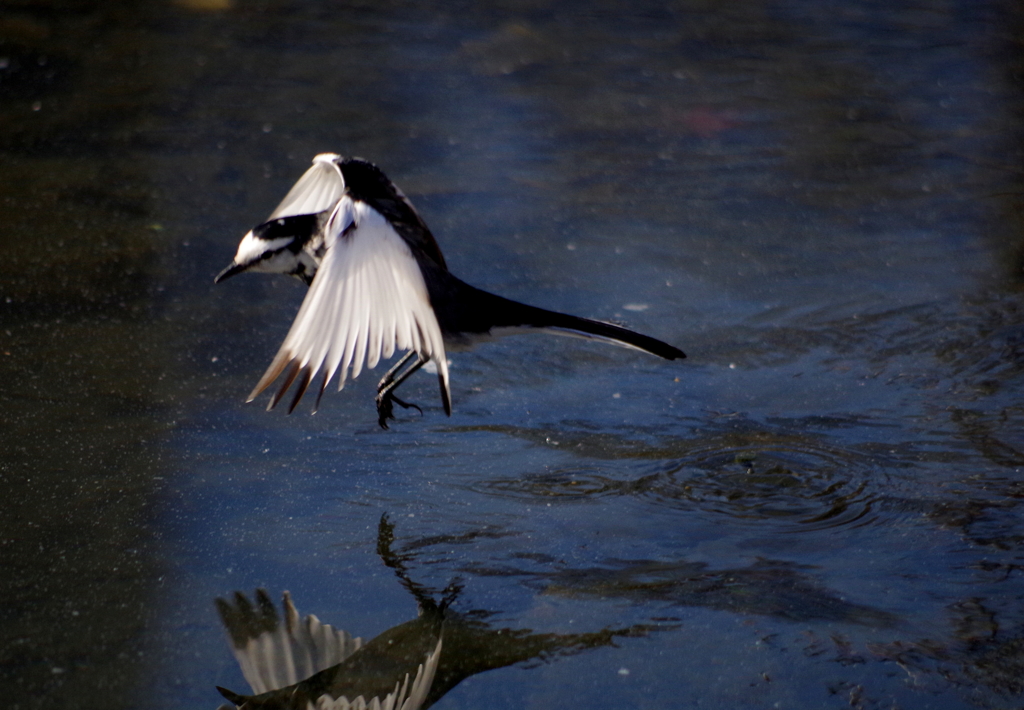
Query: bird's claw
(385, 408)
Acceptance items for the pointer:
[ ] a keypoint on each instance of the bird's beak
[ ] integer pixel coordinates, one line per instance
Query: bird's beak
(229, 272)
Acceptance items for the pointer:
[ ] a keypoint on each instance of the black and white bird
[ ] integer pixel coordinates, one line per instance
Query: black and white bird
(378, 283)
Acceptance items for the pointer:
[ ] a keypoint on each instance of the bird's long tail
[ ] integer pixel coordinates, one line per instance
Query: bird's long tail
(487, 309)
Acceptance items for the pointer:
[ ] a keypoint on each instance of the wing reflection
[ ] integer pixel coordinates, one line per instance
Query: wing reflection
(300, 664)
(297, 664)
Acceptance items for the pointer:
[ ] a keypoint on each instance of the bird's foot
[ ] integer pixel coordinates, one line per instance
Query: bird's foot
(385, 408)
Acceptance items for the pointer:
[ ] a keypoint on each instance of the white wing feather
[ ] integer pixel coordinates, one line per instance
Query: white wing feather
(318, 189)
(297, 649)
(406, 695)
(293, 651)
(367, 300)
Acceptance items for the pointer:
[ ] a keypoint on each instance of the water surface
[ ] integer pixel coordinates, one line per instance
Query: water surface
(819, 202)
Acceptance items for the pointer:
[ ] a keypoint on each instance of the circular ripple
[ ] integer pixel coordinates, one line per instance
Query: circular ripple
(793, 481)
(799, 483)
(569, 482)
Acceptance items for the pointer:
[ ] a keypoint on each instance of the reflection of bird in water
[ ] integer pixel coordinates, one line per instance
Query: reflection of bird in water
(302, 664)
(378, 282)
(295, 664)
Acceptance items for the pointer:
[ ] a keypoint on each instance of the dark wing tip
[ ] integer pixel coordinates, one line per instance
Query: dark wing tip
(281, 360)
(320, 393)
(290, 373)
(305, 375)
(446, 397)
(231, 695)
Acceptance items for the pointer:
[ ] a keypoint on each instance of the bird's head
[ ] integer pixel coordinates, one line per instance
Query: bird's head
(282, 244)
(276, 247)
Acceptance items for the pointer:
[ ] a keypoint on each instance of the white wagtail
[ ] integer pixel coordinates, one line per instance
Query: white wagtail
(377, 283)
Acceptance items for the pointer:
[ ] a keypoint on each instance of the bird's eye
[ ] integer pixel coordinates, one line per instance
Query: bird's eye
(280, 222)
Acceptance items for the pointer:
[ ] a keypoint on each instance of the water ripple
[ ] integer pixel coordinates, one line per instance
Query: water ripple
(800, 482)
(752, 475)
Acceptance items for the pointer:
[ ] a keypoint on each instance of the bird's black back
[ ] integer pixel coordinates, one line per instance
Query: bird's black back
(367, 183)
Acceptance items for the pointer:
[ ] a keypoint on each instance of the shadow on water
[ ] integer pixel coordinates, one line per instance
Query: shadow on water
(81, 347)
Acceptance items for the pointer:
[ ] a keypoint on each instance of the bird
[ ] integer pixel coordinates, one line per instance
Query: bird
(378, 284)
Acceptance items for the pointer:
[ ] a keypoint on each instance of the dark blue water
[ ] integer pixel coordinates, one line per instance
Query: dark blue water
(819, 202)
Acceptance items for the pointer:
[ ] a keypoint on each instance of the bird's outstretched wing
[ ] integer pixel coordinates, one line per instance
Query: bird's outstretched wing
(368, 299)
(306, 664)
(317, 190)
(274, 653)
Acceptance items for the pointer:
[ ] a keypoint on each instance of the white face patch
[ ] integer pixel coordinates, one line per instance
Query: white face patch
(252, 248)
(283, 262)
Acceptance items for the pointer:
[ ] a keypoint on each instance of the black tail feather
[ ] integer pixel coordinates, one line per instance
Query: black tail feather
(464, 310)
(608, 331)
(232, 696)
(498, 312)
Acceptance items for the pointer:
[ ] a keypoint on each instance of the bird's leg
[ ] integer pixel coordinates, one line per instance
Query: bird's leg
(385, 390)
(389, 376)
(386, 536)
